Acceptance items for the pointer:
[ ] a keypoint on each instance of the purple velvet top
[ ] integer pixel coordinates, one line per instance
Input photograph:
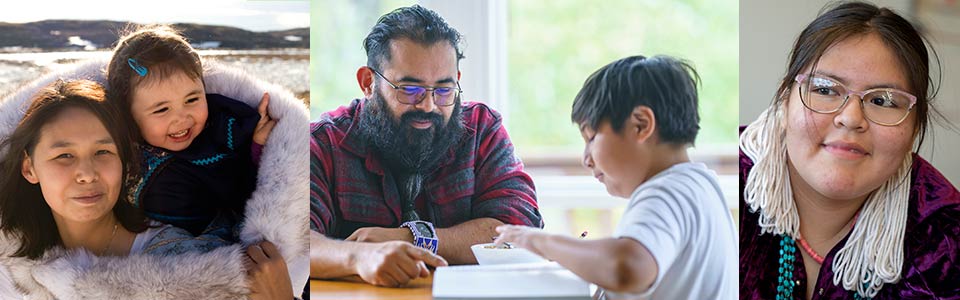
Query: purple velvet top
(931, 246)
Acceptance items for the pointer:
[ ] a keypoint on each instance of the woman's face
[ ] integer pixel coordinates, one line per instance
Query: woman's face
(77, 166)
(843, 155)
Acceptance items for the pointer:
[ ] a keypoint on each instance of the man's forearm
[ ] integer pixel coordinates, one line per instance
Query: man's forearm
(331, 258)
(455, 241)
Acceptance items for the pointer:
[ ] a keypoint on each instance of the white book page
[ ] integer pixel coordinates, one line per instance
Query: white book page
(533, 280)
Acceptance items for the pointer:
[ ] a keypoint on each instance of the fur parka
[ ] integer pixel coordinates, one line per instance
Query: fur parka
(277, 211)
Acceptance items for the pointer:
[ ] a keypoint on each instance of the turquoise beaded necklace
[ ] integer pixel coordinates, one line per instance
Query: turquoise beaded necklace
(785, 282)
(788, 254)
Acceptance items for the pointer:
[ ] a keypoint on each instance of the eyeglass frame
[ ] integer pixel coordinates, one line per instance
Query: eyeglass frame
(860, 94)
(432, 90)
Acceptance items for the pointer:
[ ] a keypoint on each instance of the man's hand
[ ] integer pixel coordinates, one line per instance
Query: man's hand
(266, 123)
(395, 263)
(267, 273)
(520, 236)
(379, 234)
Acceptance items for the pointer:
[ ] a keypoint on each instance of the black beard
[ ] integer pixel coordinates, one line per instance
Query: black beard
(407, 150)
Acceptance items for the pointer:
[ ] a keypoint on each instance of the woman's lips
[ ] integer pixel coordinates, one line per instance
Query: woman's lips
(845, 150)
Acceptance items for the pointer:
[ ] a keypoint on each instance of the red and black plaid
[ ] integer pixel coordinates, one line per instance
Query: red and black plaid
(350, 188)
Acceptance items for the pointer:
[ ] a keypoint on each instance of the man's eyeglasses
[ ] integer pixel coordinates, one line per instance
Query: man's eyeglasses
(884, 106)
(414, 94)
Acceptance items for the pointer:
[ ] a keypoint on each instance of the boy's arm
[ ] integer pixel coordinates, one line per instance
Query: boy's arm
(628, 266)
(620, 265)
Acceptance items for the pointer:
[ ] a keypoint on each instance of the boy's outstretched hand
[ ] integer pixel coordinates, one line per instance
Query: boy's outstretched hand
(525, 237)
(266, 123)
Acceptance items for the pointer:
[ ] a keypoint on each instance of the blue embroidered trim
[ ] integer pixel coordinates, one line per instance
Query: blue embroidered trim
(230, 132)
(208, 160)
(217, 157)
(152, 162)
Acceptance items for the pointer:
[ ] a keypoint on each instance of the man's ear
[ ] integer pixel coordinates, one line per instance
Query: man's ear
(641, 124)
(365, 80)
(26, 169)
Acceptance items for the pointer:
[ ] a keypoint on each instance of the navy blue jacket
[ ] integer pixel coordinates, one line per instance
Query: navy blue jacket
(213, 176)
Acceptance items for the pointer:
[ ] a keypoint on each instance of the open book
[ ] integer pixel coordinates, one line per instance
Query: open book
(544, 280)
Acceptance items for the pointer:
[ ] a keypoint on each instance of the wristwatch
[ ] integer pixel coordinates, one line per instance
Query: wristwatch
(424, 236)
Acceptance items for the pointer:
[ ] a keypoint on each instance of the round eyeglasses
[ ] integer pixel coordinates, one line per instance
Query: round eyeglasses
(883, 106)
(414, 94)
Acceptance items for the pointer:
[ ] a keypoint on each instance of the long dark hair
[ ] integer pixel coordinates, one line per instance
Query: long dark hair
(23, 211)
(850, 19)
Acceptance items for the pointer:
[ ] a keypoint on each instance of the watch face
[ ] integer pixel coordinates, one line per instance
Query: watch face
(424, 230)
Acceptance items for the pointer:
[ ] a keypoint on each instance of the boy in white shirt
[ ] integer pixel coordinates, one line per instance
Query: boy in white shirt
(676, 239)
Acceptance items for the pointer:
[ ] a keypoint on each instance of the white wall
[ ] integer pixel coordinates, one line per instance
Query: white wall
(767, 32)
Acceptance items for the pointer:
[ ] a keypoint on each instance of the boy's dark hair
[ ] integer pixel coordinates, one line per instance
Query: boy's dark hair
(161, 49)
(666, 85)
(24, 213)
(420, 25)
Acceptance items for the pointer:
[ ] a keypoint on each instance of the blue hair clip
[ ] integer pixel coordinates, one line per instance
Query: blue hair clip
(141, 70)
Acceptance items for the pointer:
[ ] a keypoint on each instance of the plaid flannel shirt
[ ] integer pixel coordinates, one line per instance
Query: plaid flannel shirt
(350, 188)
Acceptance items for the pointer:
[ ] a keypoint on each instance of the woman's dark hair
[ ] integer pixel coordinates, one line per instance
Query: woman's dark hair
(161, 50)
(844, 20)
(666, 85)
(23, 211)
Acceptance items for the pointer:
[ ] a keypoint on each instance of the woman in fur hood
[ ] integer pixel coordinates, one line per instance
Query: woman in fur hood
(275, 211)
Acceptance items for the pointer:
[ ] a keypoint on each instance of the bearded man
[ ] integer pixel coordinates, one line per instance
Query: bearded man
(410, 176)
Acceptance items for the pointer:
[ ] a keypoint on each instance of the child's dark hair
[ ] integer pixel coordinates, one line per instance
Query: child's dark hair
(161, 50)
(24, 213)
(664, 84)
